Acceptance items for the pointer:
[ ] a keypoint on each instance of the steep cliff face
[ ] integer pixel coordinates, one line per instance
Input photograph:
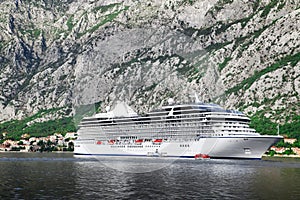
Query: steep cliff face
(241, 54)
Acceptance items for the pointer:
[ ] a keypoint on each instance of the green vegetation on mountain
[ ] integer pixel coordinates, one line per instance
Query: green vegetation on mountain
(264, 125)
(15, 128)
(270, 6)
(245, 84)
(105, 8)
(105, 19)
(223, 64)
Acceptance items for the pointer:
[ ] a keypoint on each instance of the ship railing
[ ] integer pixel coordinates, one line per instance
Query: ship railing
(138, 130)
(163, 126)
(167, 135)
(147, 118)
(151, 129)
(165, 121)
(149, 132)
(176, 117)
(156, 122)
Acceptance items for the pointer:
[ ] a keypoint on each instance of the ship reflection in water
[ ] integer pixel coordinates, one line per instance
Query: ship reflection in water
(62, 176)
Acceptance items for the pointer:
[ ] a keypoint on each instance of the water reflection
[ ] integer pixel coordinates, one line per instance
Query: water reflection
(33, 177)
(278, 183)
(64, 177)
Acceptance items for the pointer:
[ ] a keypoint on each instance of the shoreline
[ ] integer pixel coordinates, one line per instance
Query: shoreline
(281, 158)
(36, 152)
(264, 157)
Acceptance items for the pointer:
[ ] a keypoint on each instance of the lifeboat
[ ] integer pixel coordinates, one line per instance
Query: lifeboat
(139, 141)
(111, 141)
(98, 142)
(202, 156)
(157, 141)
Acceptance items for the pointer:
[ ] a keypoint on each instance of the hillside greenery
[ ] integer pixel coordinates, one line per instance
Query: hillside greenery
(264, 125)
(246, 84)
(15, 128)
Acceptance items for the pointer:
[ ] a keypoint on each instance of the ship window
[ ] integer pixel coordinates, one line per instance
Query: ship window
(247, 150)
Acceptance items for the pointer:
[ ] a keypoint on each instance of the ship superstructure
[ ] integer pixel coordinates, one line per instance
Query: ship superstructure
(176, 130)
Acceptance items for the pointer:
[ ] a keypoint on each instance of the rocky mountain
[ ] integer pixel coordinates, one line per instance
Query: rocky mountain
(242, 54)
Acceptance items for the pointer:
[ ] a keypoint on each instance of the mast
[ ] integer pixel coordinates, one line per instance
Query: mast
(197, 98)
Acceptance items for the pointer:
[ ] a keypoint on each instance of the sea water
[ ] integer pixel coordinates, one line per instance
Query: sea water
(63, 176)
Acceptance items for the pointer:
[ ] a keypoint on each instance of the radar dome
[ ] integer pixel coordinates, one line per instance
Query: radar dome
(171, 101)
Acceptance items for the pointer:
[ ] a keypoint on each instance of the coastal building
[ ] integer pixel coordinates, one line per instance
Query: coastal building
(25, 142)
(289, 140)
(32, 139)
(25, 136)
(33, 144)
(52, 138)
(296, 150)
(71, 135)
(278, 149)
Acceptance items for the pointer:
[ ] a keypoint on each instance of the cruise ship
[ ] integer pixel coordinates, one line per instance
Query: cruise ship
(194, 130)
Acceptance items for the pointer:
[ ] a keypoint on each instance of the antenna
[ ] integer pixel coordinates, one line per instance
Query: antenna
(197, 98)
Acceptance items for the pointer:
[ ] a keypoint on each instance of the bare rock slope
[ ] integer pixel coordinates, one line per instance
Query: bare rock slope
(60, 53)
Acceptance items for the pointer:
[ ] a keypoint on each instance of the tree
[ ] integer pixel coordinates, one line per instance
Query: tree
(271, 153)
(70, 146)
(49, 143)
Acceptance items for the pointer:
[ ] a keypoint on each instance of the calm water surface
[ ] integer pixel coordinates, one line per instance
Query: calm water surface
(62, 176)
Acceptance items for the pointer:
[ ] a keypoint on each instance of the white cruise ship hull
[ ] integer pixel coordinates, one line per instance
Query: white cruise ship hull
(189, 130)
(214, 147)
